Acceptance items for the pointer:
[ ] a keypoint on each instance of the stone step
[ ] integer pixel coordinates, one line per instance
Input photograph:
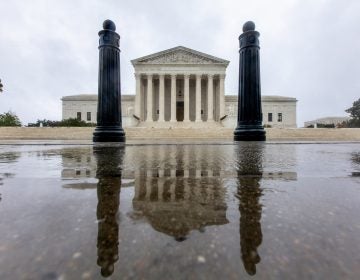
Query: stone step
(178, 133)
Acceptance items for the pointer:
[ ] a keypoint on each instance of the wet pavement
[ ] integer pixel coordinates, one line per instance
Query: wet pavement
(235, 211)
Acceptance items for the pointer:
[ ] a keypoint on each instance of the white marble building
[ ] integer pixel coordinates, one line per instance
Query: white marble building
(181, 87)
(327, 121)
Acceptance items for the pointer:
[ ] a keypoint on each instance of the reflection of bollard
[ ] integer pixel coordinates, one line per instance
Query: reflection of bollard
(109, 123)
(249, 162)
(249, 121)
(109, 161)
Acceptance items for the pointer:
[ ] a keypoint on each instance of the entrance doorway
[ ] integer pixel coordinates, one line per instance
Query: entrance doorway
(180, 111)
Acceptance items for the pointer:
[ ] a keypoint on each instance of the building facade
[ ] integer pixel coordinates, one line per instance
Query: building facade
(331, 121)
(184, 87)
(180, 85)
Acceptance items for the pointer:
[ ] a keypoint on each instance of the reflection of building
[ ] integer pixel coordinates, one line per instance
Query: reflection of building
(180, 85)
(178, 189)
(80, 167)
(177, 201)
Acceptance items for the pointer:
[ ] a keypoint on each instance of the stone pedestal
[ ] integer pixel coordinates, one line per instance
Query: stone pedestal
(109, 122)
(249, 122)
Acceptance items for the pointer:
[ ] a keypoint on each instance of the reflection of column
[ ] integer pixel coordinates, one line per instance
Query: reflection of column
(148, 182)
(149, 96)
(249, 193)
(198, 99)
(173, 184)
(187, 191)
(161, 181)
(137, 183)
(138, 94)
(108, 190)
(162, 98)
(210, 92)
(173, 98)
(186, 98)
(222, 96)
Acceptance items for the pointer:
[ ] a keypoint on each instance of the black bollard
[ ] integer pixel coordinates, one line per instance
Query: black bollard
(249, 121)
(109, 122)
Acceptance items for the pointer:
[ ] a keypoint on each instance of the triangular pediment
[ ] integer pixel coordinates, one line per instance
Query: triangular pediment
(179, 55)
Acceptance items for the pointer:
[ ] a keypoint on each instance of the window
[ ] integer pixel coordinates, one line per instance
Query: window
(269, 117)
(279, 117)
(88, 116)
(78, 116)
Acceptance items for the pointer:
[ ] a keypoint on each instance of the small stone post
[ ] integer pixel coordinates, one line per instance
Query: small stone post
(249, 122)
(109, 122)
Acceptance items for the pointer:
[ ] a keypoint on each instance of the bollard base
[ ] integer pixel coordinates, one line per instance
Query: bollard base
(109, 134)
(248, 133)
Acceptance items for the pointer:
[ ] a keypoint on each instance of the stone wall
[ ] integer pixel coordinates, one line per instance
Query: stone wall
(224, 134)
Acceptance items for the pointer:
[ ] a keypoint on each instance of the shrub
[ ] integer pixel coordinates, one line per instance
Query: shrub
(9, 119)
(71, 122)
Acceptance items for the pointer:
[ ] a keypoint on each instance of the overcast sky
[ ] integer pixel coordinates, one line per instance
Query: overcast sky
(310, 49)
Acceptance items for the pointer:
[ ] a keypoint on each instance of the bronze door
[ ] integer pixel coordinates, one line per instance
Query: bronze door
(179, 111)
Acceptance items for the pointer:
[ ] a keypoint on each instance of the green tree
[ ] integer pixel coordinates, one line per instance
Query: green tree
(354, 112)
(9, 119)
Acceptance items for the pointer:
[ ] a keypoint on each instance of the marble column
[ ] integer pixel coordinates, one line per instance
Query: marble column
(186, 98)
(210, 101)
(162, 98)
(173, 98)
(149, 98)
(198, 98)
(138, 95)
(222, 96)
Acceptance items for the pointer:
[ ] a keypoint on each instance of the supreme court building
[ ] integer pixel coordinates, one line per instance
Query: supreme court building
(181, 87)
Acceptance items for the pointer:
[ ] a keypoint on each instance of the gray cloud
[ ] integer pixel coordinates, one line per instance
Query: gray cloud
(310, 49)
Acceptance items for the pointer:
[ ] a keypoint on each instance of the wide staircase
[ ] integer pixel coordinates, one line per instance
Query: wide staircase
(171, 134)
(219, 132)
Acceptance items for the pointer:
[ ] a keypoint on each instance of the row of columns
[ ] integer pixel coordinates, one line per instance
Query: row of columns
(149, 93)
(145, 186)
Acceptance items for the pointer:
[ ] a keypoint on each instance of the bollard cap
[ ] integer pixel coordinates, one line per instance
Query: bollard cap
(109, 25)
(248, 26)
